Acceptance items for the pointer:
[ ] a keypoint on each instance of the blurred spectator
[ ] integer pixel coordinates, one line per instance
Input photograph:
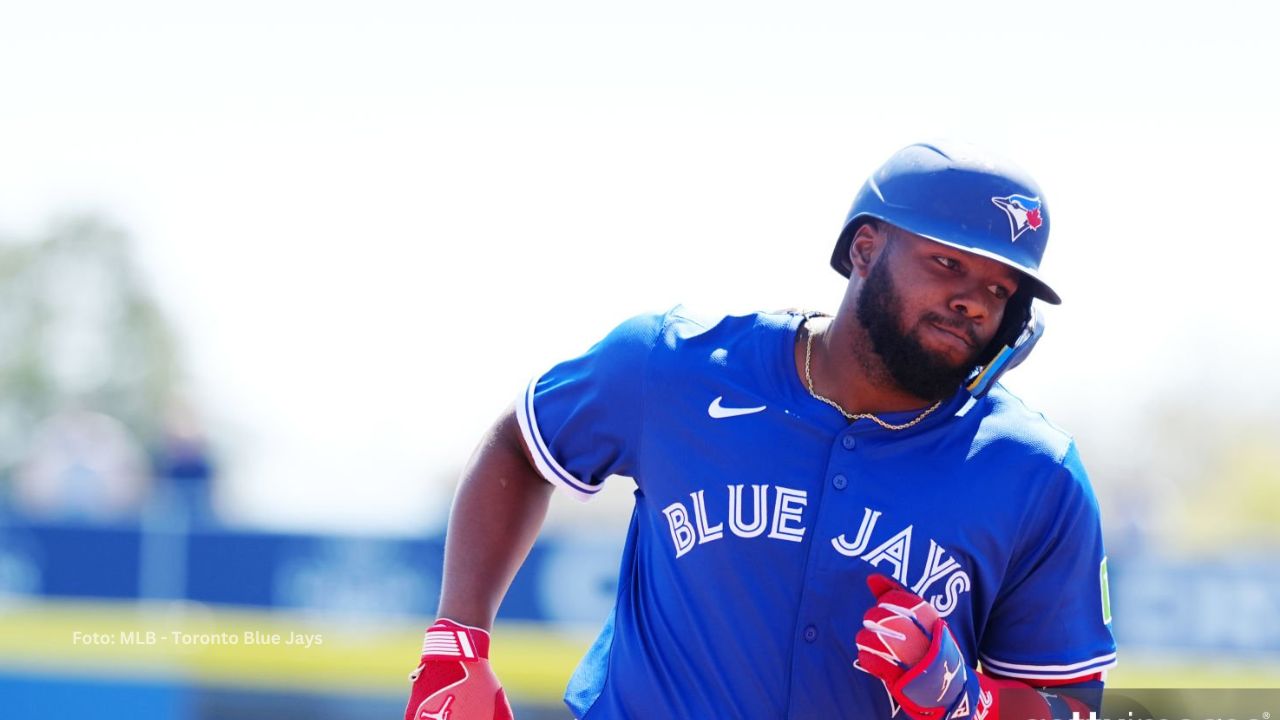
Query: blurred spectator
(81, 465)
(183, 465)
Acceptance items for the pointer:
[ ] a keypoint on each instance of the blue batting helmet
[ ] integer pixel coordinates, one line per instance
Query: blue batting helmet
(961, 197)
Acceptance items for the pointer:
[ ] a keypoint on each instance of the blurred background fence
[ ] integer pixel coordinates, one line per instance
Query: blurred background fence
(162, 620)
(159, 620)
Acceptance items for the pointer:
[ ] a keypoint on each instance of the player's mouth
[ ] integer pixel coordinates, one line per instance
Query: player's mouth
(953, 337)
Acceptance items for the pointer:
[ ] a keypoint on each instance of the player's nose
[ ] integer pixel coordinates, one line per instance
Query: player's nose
(971, 304)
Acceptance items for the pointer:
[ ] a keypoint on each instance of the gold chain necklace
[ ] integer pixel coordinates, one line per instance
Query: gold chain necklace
(808, 377)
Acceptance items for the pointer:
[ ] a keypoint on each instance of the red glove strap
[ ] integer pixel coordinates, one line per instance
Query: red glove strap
(448, 640)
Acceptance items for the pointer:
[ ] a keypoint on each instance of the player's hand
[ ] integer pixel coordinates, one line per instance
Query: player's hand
(453, 680)
(910, 648)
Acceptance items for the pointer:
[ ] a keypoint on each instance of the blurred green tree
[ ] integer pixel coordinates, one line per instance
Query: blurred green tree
(1212, 475)
(79, 330)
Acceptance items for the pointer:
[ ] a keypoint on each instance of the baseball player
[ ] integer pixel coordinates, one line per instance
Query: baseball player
(835, 516)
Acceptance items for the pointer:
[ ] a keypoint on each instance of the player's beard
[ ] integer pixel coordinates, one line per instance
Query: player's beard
(915, 369)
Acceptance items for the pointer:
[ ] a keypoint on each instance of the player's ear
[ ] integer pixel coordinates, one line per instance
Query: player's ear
(868, 242)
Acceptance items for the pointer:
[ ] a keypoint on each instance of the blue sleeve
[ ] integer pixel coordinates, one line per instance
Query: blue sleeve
(581, 419)
(1052, 619)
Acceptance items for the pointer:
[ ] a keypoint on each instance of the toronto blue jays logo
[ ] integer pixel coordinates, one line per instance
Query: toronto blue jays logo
(1023, 212)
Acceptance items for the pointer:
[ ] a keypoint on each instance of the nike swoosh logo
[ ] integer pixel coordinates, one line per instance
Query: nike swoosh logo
(717, 411)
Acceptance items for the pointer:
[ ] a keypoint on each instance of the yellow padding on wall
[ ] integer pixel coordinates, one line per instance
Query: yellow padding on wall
(222, 646)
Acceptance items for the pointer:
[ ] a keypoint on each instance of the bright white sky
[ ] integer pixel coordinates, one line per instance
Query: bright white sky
(372, 222)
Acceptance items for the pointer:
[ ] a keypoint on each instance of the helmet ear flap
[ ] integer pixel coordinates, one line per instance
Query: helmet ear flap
(1017, 311)
(1020, 330)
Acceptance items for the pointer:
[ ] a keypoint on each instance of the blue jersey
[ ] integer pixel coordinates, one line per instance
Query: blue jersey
(760, 512)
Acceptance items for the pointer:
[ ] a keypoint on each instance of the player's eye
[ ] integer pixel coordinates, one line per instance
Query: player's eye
(1000, 291)
(946, 262)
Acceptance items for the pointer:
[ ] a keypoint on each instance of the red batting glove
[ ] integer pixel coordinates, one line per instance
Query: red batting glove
(911, 649)
(896, 630)
(454, 680)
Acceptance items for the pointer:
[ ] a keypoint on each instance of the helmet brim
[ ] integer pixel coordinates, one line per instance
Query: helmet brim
(842, 264)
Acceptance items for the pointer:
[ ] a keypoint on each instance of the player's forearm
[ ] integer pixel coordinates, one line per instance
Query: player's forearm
(1005, 699)
(499, 507)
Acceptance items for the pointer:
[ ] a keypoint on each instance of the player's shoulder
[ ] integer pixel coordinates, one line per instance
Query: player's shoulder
(1008, 426)
(752, 347)
(680, 334)
(1037, 457)
(681, 325)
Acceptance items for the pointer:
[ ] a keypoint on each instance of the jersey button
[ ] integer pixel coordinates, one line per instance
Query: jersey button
(810, 634)
(848, 442)
(840, 482)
